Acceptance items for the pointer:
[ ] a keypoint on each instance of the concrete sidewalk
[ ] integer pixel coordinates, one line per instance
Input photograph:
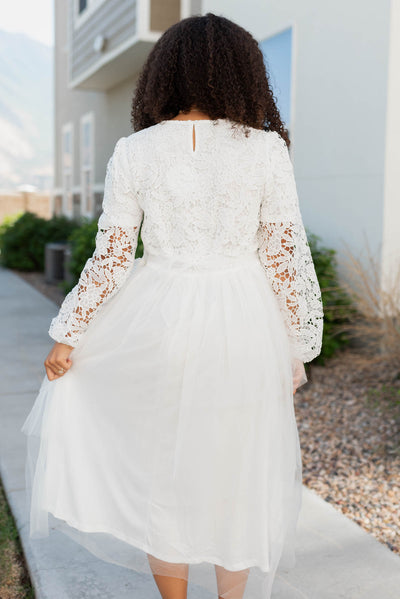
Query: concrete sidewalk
(335, 557)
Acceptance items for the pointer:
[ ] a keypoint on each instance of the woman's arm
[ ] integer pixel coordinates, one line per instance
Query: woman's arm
(285, 254)
(116, 242)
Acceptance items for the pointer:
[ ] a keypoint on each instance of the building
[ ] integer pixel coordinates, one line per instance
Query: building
(100, 46)
(336, 68)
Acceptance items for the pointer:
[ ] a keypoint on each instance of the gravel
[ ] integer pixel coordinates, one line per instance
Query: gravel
(350, 439)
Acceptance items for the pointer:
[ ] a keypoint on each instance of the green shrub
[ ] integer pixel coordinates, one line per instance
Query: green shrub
(59, 228)
(23, 239)
(9, 220)
(337, 304)
(82, 242)
(18, 241)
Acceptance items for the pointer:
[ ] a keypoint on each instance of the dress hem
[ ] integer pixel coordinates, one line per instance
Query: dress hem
(146, 548)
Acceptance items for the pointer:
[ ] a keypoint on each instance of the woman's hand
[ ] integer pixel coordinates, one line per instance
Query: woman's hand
(298, 373)
(58, 362)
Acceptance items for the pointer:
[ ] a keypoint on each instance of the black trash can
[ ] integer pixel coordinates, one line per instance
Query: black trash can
(67, 260)
(54, 261)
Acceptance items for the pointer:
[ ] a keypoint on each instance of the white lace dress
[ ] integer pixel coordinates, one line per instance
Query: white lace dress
(173, 433)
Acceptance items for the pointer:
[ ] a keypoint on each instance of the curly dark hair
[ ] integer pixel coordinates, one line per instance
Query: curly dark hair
(212, 64)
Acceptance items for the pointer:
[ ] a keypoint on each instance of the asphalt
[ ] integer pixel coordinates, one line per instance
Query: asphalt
(336, 558)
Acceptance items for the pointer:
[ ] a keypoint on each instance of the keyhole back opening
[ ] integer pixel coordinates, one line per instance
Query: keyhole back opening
(194, 138)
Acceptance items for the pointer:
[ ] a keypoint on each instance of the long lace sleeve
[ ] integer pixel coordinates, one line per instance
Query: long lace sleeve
(116, 242)
(284, 252)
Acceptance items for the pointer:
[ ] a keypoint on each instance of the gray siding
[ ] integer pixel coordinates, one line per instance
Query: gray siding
(114, 19)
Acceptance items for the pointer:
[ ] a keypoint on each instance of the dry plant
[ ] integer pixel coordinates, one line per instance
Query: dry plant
(375, 324)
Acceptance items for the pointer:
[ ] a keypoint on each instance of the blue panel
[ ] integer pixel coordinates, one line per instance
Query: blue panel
(277, 51)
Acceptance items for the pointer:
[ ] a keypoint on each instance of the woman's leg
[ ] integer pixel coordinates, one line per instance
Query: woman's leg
(231, 584)
(171, 579)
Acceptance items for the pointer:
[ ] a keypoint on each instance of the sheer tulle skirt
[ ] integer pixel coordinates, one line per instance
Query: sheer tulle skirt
(173, 435)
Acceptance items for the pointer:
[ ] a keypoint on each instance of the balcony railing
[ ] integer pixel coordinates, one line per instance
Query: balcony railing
(110, 39)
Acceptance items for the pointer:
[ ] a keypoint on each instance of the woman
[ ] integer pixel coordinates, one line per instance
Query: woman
(164, 433)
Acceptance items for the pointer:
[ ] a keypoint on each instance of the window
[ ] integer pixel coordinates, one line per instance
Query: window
(83, 9)
(87, 160)
(277, 51)
(57, 206)
(67, 167)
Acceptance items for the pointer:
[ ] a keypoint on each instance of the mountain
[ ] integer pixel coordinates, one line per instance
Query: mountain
(26, 111)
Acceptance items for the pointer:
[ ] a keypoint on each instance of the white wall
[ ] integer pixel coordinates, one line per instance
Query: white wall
(340, 86)
(391, 225)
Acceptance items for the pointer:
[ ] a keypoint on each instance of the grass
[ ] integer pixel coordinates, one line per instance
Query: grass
(14, 578)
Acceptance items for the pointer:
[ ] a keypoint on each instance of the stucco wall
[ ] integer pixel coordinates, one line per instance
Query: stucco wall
(391, 225)
(340, 76)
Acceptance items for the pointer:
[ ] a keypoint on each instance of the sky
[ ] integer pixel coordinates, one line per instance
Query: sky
(32, 17)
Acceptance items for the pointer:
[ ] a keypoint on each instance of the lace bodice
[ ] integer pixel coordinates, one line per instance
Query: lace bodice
(225, 194)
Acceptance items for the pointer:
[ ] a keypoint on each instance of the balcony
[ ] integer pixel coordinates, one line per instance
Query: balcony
(110, 39)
